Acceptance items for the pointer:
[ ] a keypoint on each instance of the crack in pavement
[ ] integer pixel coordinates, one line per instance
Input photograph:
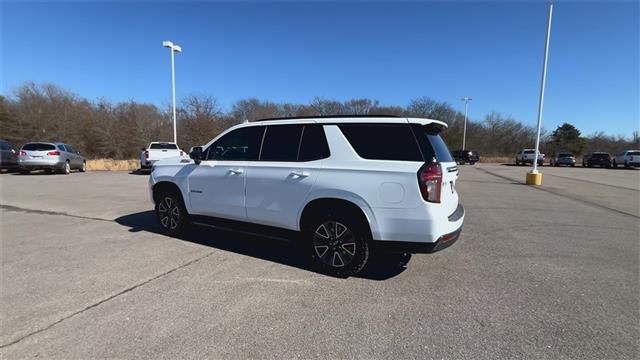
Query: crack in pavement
(47, 212)
(575, 198)
(111, 297)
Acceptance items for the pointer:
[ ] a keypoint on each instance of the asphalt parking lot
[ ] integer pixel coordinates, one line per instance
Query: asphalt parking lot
(550, 272)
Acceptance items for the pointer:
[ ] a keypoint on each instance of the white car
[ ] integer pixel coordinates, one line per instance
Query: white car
(339, 185)
(526, 156)
(627, 158)
(158, 151)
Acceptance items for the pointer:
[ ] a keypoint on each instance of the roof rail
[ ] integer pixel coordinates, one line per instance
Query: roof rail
(329, 117)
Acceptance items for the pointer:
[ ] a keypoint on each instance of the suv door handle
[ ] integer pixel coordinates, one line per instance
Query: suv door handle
(300, 173)
(236, 171)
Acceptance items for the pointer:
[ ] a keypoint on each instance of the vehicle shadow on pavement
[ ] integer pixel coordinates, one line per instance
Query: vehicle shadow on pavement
(279, 251)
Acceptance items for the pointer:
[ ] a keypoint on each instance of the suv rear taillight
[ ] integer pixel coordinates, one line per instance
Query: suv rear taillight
(146, 154)
(54, 153)
(430, 182)
(22, 153)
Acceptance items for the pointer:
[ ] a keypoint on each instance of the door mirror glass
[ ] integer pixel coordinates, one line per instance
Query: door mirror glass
(196, 154)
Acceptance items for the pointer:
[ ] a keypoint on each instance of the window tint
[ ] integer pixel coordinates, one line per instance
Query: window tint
(38, 147)
(314, 144)
(440, 148)
(529, 151)
(634, 153)
(383, 141)
(164, 146)
(239, 144)
(281, 143)
(61, 147)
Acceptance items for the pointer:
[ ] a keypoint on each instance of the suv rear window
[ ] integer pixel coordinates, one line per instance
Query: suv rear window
(383, 141)
(314, 144)
(38, 147)
(281, 143)
(600, 156)
(434, 146)
(164, 146)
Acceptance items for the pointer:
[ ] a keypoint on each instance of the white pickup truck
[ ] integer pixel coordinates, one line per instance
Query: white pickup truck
(526, 156)
(158, 151)
(627, 158)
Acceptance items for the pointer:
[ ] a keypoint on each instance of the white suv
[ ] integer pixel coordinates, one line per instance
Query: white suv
(340, 185)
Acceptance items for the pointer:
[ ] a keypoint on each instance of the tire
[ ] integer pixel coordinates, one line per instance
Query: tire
(626, 165)
(615, 164)
(517, 162)
(66, 168)
(25, 172)
(338, 244)
(83, 168)
(171, 213)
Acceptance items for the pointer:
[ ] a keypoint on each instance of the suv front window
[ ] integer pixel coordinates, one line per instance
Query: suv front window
(239, 144)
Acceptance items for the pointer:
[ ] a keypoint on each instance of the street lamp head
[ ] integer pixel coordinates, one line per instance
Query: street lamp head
(167, 44)
(466, 98)
(177, 48)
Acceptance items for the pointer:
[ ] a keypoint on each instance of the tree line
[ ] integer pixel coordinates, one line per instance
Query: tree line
(102, 129)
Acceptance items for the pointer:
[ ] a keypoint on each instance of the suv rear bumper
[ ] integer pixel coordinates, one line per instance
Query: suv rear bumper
(419, 248)
(417, 230)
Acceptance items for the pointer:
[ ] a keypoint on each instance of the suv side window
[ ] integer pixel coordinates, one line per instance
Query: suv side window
(382, 141)
(61, 147)
(313, 145)
(281, 143)
(239, 144)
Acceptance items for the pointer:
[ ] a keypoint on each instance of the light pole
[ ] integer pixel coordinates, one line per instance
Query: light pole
(533, 177)
(466, 100)
(174, 49)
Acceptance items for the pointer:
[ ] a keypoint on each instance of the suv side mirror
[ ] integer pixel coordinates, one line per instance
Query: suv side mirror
(196, 154)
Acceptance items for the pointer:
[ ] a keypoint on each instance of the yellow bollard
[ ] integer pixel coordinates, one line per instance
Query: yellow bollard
(534, 178)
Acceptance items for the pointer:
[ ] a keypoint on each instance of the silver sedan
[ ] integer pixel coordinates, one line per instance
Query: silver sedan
(50, 157)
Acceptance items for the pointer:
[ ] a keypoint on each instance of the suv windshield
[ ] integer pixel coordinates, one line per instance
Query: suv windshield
(38, 147)
(634, 153)
(565, 155)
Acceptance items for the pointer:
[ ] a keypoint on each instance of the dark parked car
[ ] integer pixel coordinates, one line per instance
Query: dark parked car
(465, 156)
(8, 156)
(597, 158)
(563, 158)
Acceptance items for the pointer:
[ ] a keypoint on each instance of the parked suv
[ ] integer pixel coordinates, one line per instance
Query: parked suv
(597, 158)
(563, 158)
(465, 156)
(340, 185)
(8, 156)
(50, 157)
